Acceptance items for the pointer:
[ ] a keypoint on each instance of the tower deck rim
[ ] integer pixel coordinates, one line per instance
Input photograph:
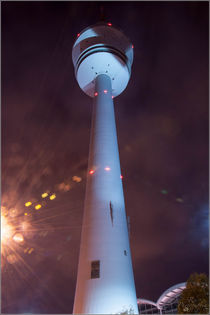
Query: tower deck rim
(101, 48)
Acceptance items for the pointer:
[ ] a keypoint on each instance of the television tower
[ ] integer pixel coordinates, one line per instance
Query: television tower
(102, 56)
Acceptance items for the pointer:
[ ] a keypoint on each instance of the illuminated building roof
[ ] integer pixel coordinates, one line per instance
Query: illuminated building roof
(167, 297)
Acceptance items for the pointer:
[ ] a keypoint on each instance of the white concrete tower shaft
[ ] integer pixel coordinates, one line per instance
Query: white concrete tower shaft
(105, 281)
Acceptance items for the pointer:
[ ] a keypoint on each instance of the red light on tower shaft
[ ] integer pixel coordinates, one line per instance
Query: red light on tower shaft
(107, 168)
(91, 172)
(95, 94)
(105, 91)
(109, 24)
(121, 176)
(78, 34)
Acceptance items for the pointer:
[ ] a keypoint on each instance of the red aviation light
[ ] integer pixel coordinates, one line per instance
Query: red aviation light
(109, 24)
(107, 168)
(132, 46)
(112, 96)
(78, 34)
(105, 91)
(121, 176)
(91, 172)
(95, 94)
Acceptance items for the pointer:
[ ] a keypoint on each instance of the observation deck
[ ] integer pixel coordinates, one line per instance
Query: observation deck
(102, 49)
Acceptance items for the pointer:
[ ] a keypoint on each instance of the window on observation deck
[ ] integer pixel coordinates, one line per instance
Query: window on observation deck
(95, 269)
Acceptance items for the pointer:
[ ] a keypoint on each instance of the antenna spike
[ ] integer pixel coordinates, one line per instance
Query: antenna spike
(102, 15)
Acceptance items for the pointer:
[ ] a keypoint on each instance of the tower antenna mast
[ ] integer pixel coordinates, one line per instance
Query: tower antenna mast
(102, 15)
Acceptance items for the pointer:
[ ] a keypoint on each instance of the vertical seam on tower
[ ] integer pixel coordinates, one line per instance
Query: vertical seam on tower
(111, 212)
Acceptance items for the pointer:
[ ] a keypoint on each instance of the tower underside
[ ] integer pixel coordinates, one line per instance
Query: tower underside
(105, 282)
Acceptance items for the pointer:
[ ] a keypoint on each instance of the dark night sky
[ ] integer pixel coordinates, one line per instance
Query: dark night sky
(162, 123)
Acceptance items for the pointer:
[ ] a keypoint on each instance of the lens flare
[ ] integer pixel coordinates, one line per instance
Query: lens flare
(37, 207)
(29, 203)
(6, 230)
(44, 195)
(18, 238)
(77, 179)
(30, 250)
(52, 197)
(11, 259)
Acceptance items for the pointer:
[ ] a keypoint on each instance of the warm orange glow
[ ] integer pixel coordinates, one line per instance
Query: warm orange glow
(76, 179)
(37, 207)
(24, 226)
(27, 204)
(12, 258)
(25, 213)
(13, 212)
(52, 197)
(6, 230)
(44, 195)
(18, 238)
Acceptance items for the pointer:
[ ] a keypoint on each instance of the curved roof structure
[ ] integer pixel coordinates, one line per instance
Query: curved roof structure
(167, 297)
(144, 301)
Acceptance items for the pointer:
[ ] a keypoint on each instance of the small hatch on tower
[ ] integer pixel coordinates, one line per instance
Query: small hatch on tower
(95, 269)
